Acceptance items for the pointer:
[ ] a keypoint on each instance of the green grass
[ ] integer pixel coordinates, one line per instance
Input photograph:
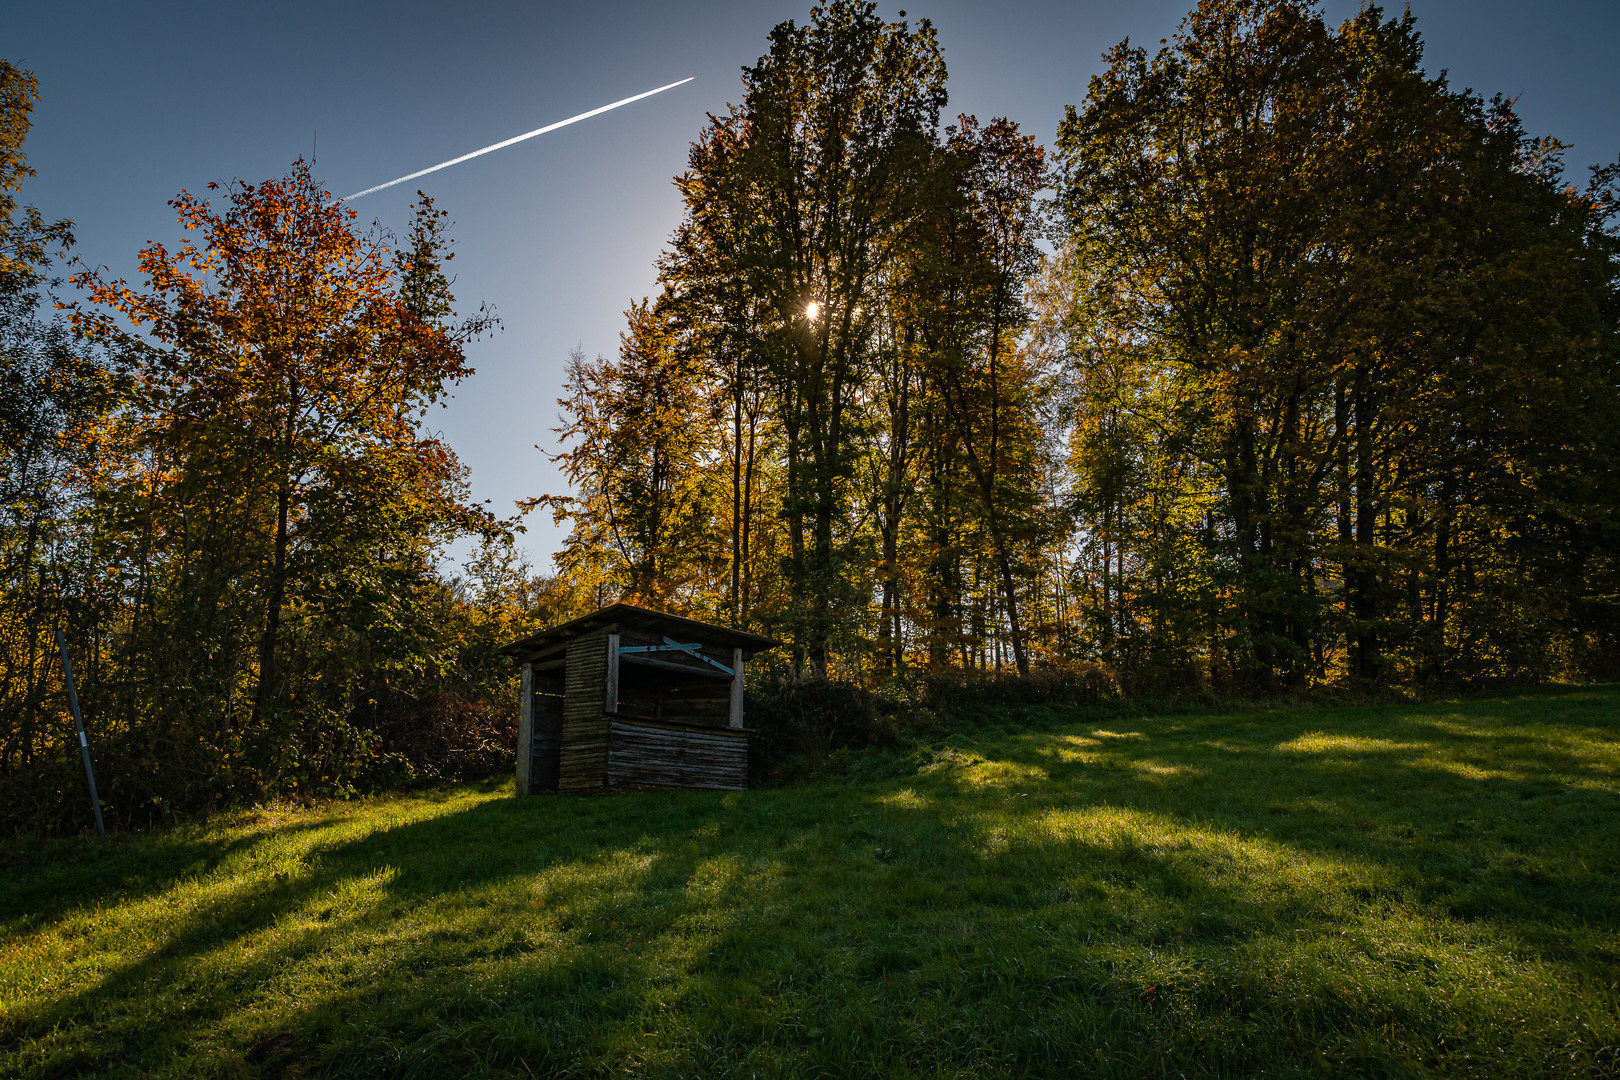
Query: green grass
(1380, 891)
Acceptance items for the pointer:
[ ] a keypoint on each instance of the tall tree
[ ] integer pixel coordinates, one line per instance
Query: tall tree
(984, 232)
(275, 453)
(801, 196)
(642, 461)
(54, 396)
(1311, 233)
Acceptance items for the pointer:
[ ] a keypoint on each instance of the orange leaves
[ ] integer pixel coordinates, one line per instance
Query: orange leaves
(280, 345)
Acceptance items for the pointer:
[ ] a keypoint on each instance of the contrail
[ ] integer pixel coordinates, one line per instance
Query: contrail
(518, 139)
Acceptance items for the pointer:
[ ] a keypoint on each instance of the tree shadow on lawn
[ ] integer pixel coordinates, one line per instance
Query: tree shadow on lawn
(1484, 808)
(1168, 891)
(203, 959)
(840, 934)
(43, 883)
(46, 881)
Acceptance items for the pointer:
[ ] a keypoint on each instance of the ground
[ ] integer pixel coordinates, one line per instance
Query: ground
(1376, 891)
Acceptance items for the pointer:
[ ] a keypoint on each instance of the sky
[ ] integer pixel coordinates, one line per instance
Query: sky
(559, 234)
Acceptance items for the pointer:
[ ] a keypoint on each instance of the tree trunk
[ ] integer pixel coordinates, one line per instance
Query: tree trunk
(792, 509)
(736, 492)
(274, 599)
(747, 516)
(1242, 482)
(1363, 598)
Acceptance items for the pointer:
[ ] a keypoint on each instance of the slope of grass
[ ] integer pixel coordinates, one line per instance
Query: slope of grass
(1383, 891)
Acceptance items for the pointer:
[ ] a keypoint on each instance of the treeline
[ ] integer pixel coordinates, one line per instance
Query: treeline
(1317, 381)
(218, 490)
(1287, 364)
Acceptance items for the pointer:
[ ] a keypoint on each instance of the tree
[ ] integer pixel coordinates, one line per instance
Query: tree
(1308, 305)
(643, 463)
(276, 488)
(799, 199)
(24, 243)
(54, 396)
(983, 234)
(1312, 235)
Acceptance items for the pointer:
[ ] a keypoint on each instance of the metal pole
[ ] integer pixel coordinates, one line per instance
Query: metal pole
(84, 744)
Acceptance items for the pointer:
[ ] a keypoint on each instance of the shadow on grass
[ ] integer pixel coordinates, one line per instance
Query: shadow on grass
(43, 882)
(1481, 807)
(1214, 894)
(309, 903)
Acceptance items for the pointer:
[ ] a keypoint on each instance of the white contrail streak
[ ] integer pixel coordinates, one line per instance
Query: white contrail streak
(517, 139)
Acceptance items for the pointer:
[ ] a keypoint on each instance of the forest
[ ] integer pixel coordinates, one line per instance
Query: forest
(1283, 366)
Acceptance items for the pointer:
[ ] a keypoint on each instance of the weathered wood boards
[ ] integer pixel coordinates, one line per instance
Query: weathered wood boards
(628, 698)
(649, 754)
(585, 724)
(545, 758)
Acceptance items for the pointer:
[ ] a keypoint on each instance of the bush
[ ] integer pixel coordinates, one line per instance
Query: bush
(809, 726)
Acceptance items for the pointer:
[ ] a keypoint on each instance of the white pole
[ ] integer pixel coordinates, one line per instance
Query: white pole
(84, 743)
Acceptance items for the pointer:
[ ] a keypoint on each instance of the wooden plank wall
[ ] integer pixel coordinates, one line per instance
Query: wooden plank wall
(667, 755)
(585, 725)
(545, 731)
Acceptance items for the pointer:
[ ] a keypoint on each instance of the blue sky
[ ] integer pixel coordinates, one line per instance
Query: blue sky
(560, 233)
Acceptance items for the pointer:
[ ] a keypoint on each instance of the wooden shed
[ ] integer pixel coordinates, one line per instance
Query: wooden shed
(628, 698)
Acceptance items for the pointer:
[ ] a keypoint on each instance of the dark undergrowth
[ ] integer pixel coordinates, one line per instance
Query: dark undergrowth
(811, 729)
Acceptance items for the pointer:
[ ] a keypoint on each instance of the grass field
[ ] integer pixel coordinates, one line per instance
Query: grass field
(1378, 891)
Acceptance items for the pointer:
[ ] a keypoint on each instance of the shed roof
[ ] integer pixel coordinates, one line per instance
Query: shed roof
(653, 622)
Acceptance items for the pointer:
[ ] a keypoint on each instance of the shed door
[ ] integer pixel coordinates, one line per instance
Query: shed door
(546, 749)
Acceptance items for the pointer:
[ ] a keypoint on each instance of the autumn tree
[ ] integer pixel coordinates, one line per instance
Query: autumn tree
(799, 198)
(641, 459)
(26, 238)
(277, 489)
(1295, 225)
(852, 286)
(1277, 421)
(55, 393)
(37, 357)
(977, 254)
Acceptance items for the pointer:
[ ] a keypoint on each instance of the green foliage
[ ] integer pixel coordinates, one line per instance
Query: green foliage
(846, 293)
(811, 728)
(1318, 385)
(641, 462)
(235, 518)
(1393, 890)
(288, 504)
(1349, 318)
(56, 394)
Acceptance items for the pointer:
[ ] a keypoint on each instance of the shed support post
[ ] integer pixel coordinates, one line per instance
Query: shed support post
(736, 688)
(610, 704)
(525, 738)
